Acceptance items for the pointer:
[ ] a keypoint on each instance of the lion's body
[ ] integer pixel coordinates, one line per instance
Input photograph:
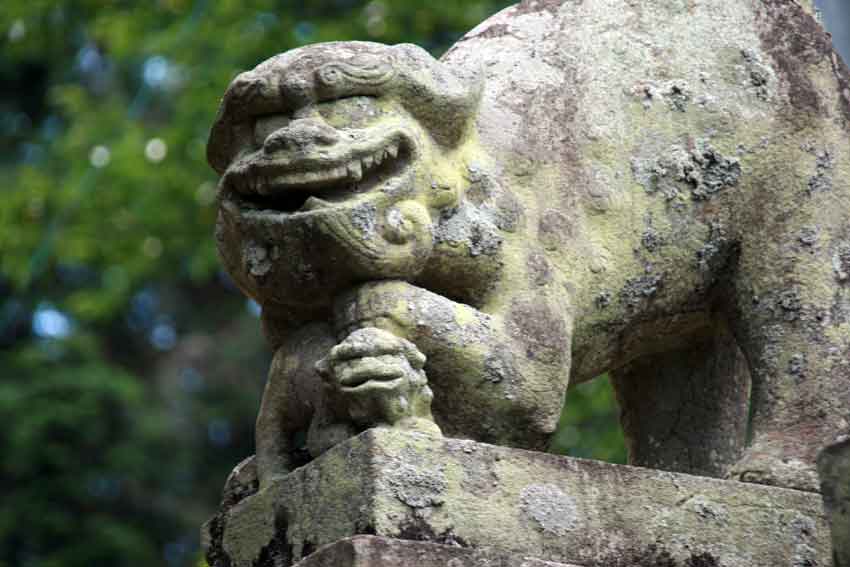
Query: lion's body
(657, 189)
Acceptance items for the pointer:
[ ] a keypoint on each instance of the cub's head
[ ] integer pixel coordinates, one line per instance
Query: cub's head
(336, 160)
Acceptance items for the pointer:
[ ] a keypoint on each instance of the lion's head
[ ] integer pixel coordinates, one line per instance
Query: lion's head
(336, 160)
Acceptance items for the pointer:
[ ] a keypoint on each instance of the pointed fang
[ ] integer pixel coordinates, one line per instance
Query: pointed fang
(355, 171)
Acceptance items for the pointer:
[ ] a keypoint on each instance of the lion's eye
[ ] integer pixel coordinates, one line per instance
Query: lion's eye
(266, 125)
(351, 112)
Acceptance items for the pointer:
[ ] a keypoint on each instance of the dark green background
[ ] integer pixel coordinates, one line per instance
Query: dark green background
(130, 367)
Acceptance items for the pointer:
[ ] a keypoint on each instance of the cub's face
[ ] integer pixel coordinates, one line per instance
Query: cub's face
(329, 177)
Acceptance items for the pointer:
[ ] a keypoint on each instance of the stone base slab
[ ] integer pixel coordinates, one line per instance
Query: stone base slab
(373, 551)
(464, 494)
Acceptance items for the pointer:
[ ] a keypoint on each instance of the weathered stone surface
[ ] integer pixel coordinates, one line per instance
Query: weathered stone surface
(575, 187)
(834, 468)
(372, 551)
(408, 485)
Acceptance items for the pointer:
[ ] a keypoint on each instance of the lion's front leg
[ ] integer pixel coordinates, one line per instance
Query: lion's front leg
(290, 400)
(498, 378)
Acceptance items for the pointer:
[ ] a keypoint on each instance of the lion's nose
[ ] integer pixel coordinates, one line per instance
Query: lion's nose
(301, 134)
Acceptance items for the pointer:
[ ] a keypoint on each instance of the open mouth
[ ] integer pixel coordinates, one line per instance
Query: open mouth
(320, 181)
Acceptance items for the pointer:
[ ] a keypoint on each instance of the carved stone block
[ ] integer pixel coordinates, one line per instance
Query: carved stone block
(460, 493)
(372, 551)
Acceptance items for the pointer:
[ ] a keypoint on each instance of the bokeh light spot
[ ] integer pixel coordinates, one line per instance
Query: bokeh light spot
(304, 32)
(205, 194)
(99, 156)
(17, 31)
(50, 323)
(155, 71)
(89, 60)
(376, 24)
(143, 310)
(253, 307)
(163, 336)
(156, 150)
(152, 247)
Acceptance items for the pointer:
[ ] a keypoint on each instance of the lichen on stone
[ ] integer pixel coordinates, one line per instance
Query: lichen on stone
(417, 486)
(703, 170)
(640, 289)
(554, 512)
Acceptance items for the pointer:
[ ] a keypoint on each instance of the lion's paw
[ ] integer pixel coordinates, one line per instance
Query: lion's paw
(378, 379)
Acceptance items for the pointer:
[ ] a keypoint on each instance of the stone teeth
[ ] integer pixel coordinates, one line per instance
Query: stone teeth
(368, 162)
(379, 158)
(294, 178)
(261, 185)
(355, 170)
(392, 150)
(231, 211)
(312, 203)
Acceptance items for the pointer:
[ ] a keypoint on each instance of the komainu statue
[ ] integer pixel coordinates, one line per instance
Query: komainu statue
(659, 190)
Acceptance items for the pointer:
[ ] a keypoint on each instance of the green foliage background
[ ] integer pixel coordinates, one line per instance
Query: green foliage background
(130, 367)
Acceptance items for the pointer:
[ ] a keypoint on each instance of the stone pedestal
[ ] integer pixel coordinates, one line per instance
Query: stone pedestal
(374, 551)
(487, 505)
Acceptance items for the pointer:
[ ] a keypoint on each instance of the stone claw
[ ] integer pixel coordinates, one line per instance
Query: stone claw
(378, 378)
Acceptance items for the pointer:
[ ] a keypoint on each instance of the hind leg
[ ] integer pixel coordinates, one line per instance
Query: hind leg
(792, 319)
(801, 389)
(686, 410)
(291, 397)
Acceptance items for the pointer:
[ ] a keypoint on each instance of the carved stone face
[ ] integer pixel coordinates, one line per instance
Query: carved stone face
(334, 159)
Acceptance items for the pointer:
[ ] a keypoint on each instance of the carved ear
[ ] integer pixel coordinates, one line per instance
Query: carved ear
(222, 138)
(442, 100)
(427, 88)
(250, 93)
(226, 136)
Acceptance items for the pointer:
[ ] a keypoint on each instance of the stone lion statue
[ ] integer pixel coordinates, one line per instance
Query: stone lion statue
(659, 190)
